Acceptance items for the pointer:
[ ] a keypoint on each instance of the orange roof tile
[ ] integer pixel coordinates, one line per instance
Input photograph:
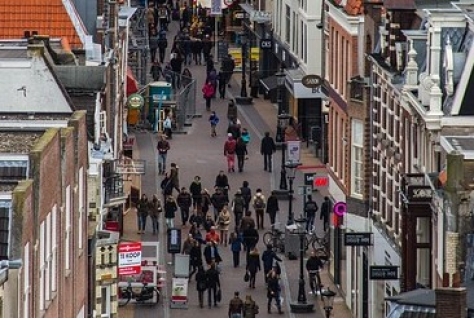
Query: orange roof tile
(354, 7)
(48, 17)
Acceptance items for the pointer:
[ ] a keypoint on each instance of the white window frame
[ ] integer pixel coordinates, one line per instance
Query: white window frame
(357, 145)
(42, 301)
(49, 255)
(26, 281)
(67, 239)
(54, 248)
(107, 301)
(81, 208)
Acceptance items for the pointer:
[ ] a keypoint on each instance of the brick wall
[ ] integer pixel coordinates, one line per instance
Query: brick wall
(451, 303)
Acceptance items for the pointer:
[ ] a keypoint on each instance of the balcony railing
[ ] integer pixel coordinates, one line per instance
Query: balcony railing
(113, 186)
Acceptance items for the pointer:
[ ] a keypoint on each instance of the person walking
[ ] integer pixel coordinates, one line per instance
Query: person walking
(245, 135)
(229, 152)
(206, 50)
(196, 48)
(236, 306)
(218, 200)
(162, 45)
(238, 205)
(273, 291)
(313, 265)
(195, 258)
(326, 209)
(201, 284)
(187, 245)
(170, 211)
(143, 209)
(241, 152)
(213, 236)
(310, 208)
(231, 112)
(176, 63)
(267, 148)
(153, 44)
(213, 284)
(208, 92)
(214, 120)
(155, 212)
(246, 194)
(222, 79)
(174, 176)
(184, 201)
(268, 258)
(156, 71)
(236, 243)
(259, 206)
(272, 208)
(224, 223)
(206, 202)
(195, 189)
(251, 238)
(168, 127)
(253, 266)
(163, 146)
(251, 308)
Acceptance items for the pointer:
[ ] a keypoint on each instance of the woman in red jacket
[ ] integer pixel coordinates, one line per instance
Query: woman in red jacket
(208, 92)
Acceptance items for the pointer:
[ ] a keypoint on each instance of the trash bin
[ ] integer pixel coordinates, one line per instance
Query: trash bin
(292, 241)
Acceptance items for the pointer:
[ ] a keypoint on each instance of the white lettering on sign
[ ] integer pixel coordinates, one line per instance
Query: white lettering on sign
(315, 90)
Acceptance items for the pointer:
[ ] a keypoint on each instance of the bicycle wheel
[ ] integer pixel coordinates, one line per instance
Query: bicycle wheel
(279, 245)
(305, 243)
(268, 238)
(124, 300)
(318, 244)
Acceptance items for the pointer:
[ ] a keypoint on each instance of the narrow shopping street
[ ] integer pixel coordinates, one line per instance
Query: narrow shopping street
(197, 153)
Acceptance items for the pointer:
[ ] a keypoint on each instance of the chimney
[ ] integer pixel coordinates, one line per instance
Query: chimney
(451, 302)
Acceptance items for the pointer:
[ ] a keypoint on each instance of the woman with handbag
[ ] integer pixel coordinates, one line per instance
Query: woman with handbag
(224, 223)
(201, 284)
(253, 266)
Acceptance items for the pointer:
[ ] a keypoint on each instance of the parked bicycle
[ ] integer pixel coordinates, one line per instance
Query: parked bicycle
(276, 238)
(144, 296)
(317, 242)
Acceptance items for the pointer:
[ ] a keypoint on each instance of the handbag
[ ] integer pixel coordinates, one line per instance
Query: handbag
(219, 295)
(246, 276)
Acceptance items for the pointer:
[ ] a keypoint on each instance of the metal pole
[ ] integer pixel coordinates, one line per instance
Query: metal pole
(216, 58)
(283, 184)
(243, 91)
(301, 290)
(290, 202)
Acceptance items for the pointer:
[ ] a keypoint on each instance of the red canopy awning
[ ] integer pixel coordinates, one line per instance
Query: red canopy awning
(132, 83)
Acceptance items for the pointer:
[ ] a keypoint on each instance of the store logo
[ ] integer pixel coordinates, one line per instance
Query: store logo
(312, 81)
(265, 44)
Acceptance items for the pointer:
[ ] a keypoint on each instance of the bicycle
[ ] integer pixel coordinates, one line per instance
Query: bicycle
(146, 293)
(315, 275)
(317, 242)
(276, 238)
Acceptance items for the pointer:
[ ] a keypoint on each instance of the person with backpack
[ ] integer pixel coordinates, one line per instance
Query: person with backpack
(259, 206)
(163, 147)
(238, 205)
(236, 306)
(250, 309)
(229, 152)
(310, 208)
(214, 120)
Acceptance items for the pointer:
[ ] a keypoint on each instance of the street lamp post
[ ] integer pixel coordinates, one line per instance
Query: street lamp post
(283, 120)
(291, 176)
(280, 77)
(243, 99)
(328, 300)
(302, 304)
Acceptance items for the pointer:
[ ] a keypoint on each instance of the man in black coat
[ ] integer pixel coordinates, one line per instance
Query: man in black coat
(162, 45)
(251, 238)
(272, 208)
(267, 148)
(196, 48)
(268, 257)
(326, 208)
(213, 284)
(176, 66)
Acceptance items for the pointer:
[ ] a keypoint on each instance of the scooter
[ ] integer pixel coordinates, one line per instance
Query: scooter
(146, 293)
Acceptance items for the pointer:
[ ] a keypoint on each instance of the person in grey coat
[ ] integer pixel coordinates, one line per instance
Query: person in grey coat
(153, 44)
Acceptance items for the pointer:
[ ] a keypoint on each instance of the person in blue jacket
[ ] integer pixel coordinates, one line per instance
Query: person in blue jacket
(236, 243)
(214, 120)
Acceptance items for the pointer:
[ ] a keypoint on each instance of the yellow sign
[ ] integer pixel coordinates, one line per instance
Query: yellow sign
(236, 54)
(255, 54)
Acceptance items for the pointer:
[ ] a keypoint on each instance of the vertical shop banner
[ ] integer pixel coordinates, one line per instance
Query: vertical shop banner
(294, 150)
(216, 7)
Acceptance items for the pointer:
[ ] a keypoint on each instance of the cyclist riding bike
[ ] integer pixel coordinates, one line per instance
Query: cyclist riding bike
(313, 266)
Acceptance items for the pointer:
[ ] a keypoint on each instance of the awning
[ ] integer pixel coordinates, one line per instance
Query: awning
(132, 83)
(269, 83)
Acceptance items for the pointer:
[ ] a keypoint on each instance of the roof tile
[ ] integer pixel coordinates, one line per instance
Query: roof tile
(48, 17)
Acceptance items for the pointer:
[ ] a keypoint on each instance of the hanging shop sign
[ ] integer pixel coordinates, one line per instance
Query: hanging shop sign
(358, 239)
(135, 101)
(312, 81)
(384, 272)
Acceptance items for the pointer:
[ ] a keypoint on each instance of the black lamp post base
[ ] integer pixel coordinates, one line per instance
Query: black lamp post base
(243, 100)
(297, 307)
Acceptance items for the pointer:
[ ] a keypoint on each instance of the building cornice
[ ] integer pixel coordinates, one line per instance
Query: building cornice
(348, 23)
